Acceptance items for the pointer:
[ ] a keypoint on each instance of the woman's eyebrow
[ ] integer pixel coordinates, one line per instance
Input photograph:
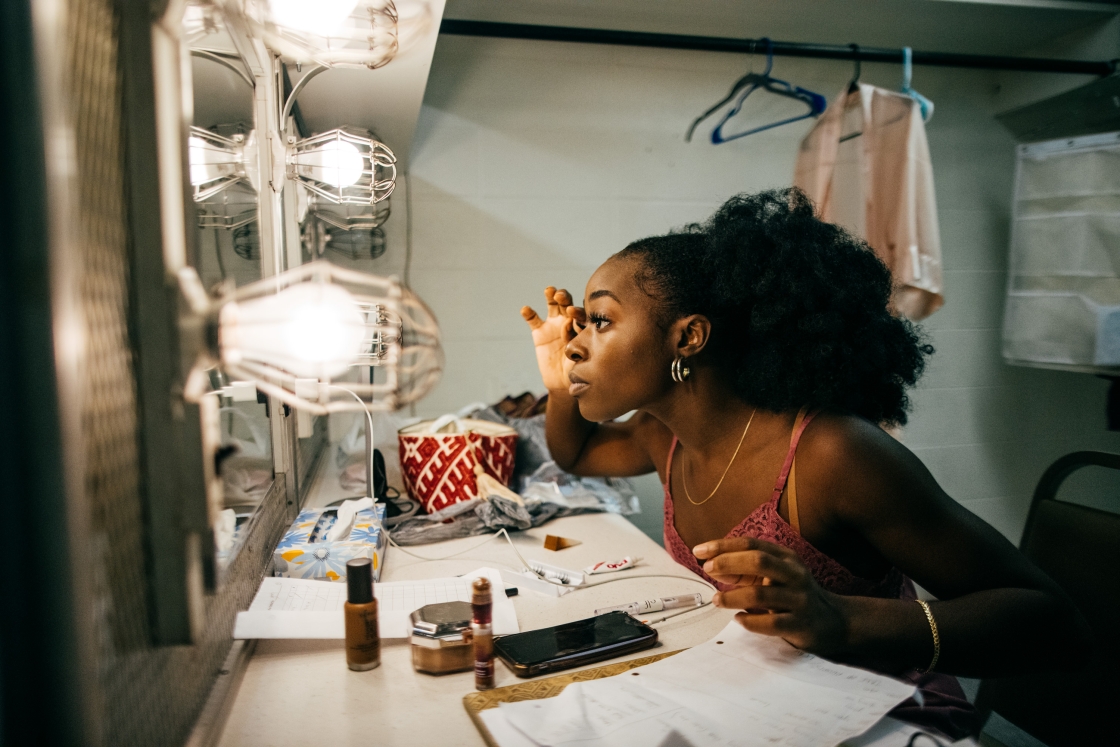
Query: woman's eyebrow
(601, 293)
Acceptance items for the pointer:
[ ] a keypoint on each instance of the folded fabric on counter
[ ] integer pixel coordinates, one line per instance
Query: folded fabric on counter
(481, 517)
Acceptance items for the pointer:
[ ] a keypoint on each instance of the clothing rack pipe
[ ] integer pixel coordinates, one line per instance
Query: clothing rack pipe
(758, 46)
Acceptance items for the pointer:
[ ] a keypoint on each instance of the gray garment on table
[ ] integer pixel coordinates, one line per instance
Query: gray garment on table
(488, 516)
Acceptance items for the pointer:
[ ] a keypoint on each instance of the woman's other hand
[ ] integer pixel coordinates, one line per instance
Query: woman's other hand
(552, 334)
(777, 594)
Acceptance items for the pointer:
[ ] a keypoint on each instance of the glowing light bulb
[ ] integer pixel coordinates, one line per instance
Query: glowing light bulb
(215, 159)
(313, 330)
(200, 170)
(338, 163)
(320, 17)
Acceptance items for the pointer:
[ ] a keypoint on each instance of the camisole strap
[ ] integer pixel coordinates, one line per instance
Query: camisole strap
(787, 473)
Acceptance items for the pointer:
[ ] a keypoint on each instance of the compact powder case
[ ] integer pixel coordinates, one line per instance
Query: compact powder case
(441, 638)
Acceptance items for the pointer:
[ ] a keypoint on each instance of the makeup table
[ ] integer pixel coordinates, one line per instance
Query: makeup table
(299, 692)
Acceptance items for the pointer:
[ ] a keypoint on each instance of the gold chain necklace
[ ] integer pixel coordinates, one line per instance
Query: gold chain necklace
(684, 469)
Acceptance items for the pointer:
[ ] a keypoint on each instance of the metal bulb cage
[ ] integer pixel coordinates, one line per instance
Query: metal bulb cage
(350, 217)
(400, 359)
(218, 163)
(359, 243)
(230, 209)
(335, 33)
(247, 241)
(315, 160)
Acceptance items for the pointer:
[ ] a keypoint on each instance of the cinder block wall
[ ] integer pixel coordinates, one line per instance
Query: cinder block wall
(534, 162)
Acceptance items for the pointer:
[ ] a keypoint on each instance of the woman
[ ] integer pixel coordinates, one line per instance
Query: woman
(762, 336)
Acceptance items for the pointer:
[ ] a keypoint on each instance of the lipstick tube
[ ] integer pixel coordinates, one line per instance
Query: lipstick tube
(483, 631)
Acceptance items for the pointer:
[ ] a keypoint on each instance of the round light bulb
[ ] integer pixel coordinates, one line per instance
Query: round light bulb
(340, 164)
(312, 330)
(320, 17)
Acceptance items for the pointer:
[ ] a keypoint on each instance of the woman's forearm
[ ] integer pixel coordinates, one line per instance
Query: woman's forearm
(565, 429)
(993, 633)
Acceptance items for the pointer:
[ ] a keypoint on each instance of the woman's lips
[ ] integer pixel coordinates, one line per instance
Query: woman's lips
(578, 386)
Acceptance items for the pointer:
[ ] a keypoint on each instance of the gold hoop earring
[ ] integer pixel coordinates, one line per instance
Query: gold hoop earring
(679, 371)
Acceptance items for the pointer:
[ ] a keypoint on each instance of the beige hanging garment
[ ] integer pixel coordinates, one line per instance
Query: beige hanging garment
(867, 168)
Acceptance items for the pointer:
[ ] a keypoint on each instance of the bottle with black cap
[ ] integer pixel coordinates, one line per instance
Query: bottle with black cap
(363, 642)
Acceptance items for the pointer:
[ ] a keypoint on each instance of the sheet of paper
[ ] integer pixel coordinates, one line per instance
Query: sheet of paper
(302, 608)
(502, 731)
(887, 732)
(737, 689)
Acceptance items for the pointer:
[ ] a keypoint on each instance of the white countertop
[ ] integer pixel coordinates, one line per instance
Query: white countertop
(298, 692)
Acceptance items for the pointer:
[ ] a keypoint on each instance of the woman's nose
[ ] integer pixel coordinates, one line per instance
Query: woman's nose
(574, 350)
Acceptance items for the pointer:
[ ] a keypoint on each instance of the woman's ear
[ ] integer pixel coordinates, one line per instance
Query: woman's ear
(691, 334)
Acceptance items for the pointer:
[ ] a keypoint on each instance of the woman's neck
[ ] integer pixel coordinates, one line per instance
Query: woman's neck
(704, 412)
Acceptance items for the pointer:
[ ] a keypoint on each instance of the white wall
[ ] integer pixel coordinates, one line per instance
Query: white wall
(533, 162)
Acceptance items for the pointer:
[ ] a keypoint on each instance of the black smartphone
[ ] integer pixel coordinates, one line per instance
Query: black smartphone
(574, 644)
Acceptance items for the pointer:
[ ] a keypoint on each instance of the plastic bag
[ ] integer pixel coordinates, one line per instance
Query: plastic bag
(551, 484)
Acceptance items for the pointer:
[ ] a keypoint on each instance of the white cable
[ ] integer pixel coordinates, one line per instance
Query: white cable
(653, 575)
(445, 557)
(526, 566)
(663, 618)
(501, 532)
(369, 419)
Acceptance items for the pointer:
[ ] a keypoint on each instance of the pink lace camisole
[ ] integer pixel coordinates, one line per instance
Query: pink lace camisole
(943, 706)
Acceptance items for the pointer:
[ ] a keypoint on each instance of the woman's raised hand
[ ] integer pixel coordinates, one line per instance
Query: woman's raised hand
(552, 334)
(776, 592)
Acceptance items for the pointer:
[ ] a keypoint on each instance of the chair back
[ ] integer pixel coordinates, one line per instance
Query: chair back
(1078, 547)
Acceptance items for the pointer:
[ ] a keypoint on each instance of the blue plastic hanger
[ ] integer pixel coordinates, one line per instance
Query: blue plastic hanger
(747, 85)
(924, 104)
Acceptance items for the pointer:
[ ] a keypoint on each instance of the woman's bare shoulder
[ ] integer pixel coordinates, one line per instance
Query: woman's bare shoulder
(858, 465)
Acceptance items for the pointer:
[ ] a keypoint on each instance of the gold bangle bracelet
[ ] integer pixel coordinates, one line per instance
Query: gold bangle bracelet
(936, 636)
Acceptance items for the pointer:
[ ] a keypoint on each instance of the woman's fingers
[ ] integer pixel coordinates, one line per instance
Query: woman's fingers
(531, 317)
(550, 299)
(780, 570)
(711, 549)
(740, 580)
(557, 300)
(772, 598)
(578, 317)
(774, 624)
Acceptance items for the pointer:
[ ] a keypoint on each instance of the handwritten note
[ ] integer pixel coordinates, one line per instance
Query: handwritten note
(738, 690)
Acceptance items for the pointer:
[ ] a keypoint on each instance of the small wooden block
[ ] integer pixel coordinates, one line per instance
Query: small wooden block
(552, 542)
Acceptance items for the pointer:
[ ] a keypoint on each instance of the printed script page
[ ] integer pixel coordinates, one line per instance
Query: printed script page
(738, 689)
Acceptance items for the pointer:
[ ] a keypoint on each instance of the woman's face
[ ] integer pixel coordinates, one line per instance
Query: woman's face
(622, 357)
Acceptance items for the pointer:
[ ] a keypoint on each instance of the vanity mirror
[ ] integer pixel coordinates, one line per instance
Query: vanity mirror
(224, 174)
(268, 337)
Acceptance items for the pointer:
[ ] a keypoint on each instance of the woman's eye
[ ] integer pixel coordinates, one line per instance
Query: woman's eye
(599, 321)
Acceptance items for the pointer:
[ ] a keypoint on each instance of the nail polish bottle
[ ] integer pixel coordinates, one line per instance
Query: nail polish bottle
(483, 632)
(363, 643)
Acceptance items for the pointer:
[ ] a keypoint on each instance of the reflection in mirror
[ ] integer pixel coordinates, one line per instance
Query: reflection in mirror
(350, 231)
(343, 180)
(340, 182)
(224, 183)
